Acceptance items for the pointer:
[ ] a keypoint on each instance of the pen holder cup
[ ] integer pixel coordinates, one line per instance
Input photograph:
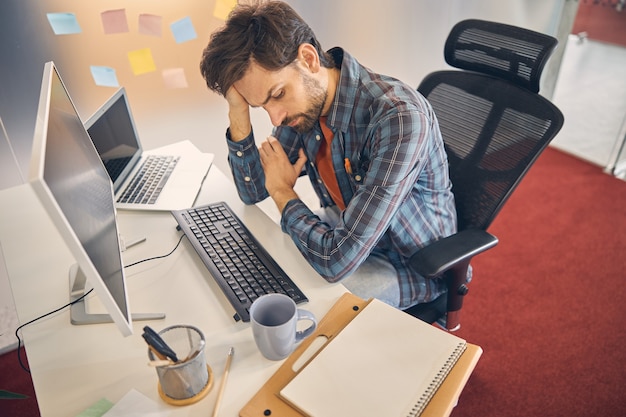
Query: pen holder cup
(190, 379)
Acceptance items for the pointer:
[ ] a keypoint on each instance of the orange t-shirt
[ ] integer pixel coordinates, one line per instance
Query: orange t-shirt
(325, 165)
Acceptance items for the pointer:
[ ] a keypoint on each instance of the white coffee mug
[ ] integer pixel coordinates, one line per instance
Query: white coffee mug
(274, 319)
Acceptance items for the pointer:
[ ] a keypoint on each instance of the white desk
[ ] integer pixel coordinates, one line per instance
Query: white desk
(75, 366)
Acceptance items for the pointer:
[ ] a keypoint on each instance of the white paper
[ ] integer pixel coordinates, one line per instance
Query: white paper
(381, 364)
(135, 404)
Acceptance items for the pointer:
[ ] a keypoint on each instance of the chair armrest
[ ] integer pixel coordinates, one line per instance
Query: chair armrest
(438, 257)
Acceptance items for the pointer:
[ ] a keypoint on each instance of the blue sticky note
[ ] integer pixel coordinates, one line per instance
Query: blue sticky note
(104, 76)
(63, 23)
(183, 30)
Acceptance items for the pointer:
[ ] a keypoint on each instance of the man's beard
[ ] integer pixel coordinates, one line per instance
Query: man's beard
(309, 118)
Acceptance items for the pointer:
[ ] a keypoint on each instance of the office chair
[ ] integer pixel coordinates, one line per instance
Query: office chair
(494, 125)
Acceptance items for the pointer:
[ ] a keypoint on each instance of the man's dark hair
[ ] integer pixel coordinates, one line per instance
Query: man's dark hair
(268, 33)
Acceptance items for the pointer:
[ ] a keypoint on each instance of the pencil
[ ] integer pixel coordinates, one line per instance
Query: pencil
(229, 360)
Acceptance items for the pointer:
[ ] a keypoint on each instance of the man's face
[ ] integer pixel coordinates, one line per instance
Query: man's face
(291, 96)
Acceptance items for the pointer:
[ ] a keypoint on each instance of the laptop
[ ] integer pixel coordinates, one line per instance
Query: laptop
(167, 178)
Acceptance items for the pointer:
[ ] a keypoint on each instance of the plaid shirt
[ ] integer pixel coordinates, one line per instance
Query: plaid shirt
(395, 185)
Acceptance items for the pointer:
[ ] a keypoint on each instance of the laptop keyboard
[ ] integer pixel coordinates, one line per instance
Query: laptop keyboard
(236, 260)
(116, 166)
(148, 182)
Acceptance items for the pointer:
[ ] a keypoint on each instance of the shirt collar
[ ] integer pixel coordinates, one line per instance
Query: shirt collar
(345, 96)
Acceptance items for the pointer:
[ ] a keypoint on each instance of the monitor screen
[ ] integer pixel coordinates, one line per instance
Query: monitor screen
(76, 191)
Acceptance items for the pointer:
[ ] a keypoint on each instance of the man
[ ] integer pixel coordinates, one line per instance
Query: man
(370, 145)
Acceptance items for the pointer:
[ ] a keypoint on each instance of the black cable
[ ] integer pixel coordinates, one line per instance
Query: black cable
(19, 340)
(157, 257)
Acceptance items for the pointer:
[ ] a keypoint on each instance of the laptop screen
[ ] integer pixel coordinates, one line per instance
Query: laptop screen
(113, 133)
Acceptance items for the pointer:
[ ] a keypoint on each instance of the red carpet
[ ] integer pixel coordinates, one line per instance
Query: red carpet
(545, 305)
(601, 21)
(14, 379)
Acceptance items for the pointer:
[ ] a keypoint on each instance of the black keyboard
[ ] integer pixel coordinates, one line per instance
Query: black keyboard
(236, 260)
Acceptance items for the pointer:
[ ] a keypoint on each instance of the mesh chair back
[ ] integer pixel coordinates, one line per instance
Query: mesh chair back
(508, 52)
(493, 122)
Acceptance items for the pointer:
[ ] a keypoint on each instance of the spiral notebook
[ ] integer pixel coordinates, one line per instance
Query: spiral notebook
(383, 363)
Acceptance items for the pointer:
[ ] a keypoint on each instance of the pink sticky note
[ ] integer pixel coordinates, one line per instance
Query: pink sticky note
(150, 24)
(174, 78)
(114, 21)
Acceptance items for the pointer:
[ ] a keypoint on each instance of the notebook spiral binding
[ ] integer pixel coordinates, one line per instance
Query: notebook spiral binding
(421, 404)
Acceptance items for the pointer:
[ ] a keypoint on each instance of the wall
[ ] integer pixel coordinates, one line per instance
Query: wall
(407, 38)
(403, 38)
(164, 115)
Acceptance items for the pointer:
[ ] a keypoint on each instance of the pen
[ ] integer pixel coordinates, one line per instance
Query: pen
(229, 360)
(135, 242)
(347, 165)
(158, 344)
(159, 363)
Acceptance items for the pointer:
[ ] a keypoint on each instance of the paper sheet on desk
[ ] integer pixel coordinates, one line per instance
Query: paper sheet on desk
(135, 404)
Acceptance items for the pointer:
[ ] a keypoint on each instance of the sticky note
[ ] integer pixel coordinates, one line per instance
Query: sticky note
(223, 8)
(174, 78)
(63, 23)
(183, 30)
(104, 76)
(150, 24)
(135, 404)
(141, 61)
(98, 409)
(114, 21)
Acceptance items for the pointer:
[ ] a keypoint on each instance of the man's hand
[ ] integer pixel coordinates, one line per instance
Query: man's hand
(238, 114)
(280, 174)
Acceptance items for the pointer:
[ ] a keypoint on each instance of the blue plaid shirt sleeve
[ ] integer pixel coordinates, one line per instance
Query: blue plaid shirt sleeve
(245, 165)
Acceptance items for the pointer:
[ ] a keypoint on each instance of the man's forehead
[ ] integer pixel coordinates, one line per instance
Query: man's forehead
(258, 84)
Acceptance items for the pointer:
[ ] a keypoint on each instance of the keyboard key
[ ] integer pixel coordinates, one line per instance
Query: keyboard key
(148, 182)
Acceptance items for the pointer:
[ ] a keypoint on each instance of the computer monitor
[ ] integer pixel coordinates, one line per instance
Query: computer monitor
(73, 186)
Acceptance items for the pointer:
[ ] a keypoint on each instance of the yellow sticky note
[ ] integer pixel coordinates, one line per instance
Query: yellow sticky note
(141, 61)
(223, 8)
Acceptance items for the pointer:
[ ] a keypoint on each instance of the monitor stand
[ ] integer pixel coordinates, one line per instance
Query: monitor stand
(78, 309)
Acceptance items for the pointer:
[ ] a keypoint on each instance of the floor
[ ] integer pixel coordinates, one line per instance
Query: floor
(591, 93)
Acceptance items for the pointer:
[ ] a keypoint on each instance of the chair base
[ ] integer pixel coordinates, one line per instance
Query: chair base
(452, 321)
